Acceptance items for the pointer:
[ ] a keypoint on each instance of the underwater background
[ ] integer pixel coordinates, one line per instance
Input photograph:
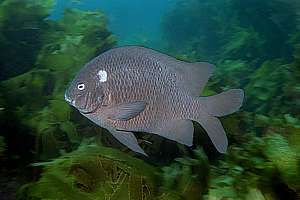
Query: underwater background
(49, 151)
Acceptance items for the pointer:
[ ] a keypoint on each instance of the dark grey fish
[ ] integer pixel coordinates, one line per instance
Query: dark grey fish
(138, 89)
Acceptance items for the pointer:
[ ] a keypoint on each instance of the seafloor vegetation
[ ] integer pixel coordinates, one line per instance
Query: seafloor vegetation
(51, 150)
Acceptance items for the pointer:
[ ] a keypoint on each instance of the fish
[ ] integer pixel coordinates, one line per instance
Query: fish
(137, 89)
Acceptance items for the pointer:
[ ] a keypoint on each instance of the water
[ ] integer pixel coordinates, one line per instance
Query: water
(129, 21)
(48, 150)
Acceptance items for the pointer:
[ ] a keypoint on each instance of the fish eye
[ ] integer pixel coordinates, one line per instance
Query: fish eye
(81, 86)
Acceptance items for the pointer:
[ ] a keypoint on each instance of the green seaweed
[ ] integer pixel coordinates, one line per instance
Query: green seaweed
(259, 164)
(284, 158)
(263, 86)
(216, 29)
(65, 47)
(96, 172)
(255, 45)
(93, 172)
(186, 178)
(22, 25)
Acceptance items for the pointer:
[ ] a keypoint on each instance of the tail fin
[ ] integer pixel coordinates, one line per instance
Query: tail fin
(215, 106)
(224, 103)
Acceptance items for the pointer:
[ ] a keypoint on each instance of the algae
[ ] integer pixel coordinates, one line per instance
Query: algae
(96, 172)
(22, 25)
(35, 98)
(253, 170)
(93, 172)
(238, 36)
(263, 160)
(186, 178)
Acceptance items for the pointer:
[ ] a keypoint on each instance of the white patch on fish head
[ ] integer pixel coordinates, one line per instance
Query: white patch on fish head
(102, 75)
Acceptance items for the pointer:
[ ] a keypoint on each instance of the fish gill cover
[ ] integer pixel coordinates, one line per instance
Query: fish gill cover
(255, 46)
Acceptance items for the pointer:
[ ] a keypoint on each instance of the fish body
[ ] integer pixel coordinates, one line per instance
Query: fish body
(135, 89)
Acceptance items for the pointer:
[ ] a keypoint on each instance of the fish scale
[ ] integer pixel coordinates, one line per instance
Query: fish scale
(139, 93)
(137, 89)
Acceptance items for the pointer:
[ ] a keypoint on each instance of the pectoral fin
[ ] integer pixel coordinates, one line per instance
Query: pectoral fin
(129, 140)
(126, 111)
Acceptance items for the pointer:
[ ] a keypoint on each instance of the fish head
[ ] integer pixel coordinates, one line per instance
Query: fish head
(85, 93)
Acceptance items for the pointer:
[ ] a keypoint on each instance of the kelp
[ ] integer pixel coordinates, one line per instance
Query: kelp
(93, 172)
(256, 168)
(264, 91)
(243, 46)
(96, 172)
(36, 98)
(240, 172)
(267, 18)
(22, 25)
(201, 31)
(215, 29)
(186, 177)
(263, 160)
(263, 157)
(292, 89)
(285, 158)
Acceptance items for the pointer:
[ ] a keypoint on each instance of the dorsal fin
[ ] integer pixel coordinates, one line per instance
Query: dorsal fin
(192, 77)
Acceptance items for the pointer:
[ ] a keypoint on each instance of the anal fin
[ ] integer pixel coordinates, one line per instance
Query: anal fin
(180, 131)
(129, 140)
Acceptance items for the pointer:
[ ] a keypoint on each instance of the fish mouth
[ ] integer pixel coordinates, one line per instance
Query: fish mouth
(81, 110)
(68, 100)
